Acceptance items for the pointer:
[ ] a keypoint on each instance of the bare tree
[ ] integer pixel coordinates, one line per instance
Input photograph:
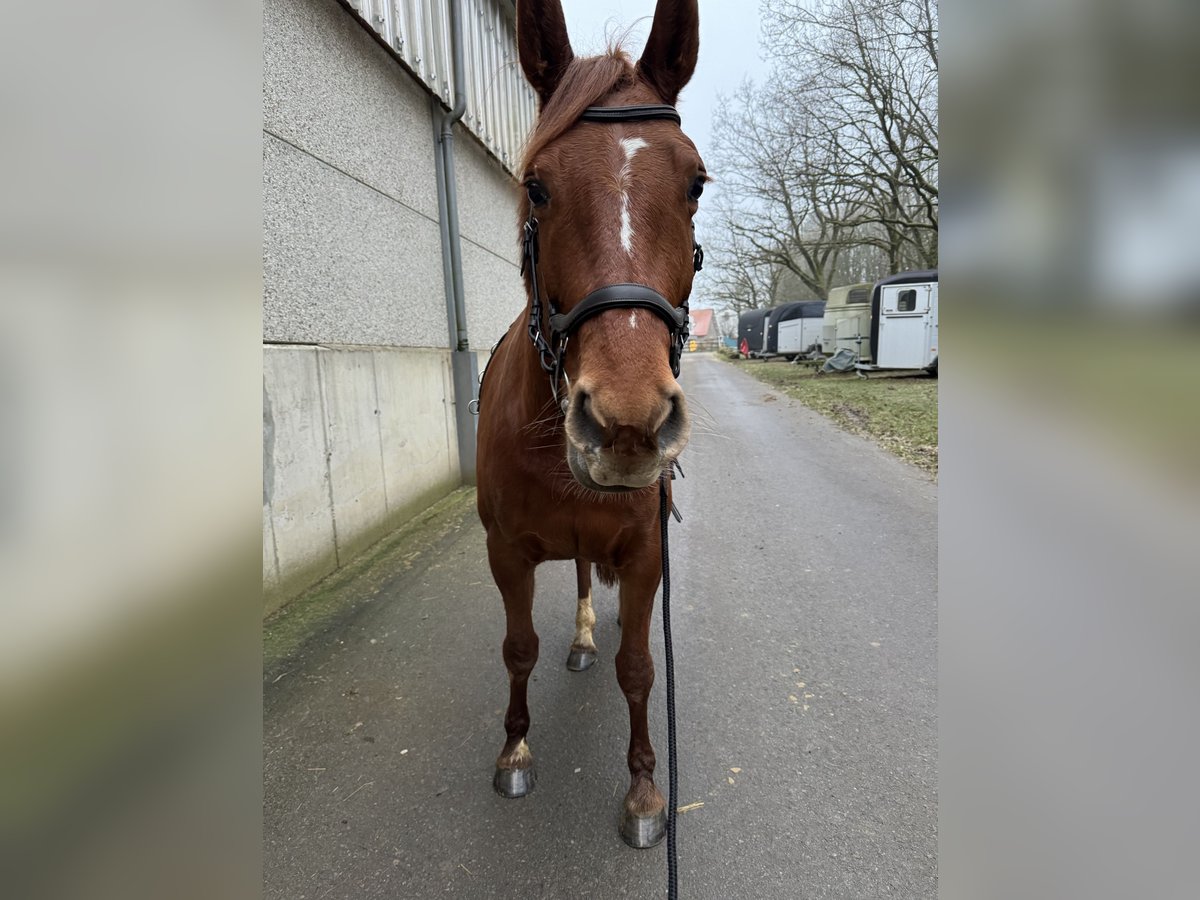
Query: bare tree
(830, 169)
(741, 278)
(870, 67)
(768, 202)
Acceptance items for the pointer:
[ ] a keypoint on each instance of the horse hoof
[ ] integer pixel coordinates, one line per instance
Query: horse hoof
(643, 832)
(580, 660)
(514, 783)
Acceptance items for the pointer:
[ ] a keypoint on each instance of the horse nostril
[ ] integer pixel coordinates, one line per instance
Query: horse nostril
(675, 429)
(581, 422)
(600, 424)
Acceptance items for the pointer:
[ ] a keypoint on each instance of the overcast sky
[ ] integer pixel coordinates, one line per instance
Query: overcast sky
(728, 49)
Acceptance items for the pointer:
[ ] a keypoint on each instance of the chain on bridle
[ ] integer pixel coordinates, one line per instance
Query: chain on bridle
(552, 352)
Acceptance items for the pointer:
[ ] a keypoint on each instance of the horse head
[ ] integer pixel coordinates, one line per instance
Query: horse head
(610, 199)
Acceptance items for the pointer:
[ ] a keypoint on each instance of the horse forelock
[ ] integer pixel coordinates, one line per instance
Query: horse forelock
(585, 82)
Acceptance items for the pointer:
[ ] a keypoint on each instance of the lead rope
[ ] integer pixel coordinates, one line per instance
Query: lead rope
(664, 509)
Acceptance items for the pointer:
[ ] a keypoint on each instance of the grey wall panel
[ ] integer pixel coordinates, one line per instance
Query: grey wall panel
(416, 421)
(487, 198)
(356, 441)
(353, 443)
(495, 295)
(331, 90)
(487, 202)
(343, 263)
(500, 104)
(302, 527)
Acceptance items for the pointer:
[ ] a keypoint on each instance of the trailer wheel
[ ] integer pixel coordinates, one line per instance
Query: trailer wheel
(932, 367)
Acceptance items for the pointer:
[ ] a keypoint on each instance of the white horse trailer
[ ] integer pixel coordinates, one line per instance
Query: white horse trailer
(798, 328)
(847, 322)
(904, 323)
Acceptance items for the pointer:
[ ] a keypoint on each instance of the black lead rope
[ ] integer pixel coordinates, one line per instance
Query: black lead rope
(664, 510)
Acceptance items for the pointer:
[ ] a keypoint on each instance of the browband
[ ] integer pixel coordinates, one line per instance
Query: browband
(622, 296)
(630, 113)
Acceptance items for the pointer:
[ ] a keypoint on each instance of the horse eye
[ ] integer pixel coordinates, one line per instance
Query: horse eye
(537, 193)
(696, 189)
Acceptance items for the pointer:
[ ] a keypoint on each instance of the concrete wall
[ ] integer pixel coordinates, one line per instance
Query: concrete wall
(358, 407)
(356, 440)
(487, 208)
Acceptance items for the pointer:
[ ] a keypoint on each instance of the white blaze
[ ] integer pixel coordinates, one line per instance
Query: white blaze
(630, 146)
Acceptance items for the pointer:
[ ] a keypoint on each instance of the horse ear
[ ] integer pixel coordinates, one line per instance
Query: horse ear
(542, 44)
(671, 50)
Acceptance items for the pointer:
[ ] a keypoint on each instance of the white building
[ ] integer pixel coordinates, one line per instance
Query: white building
(363, 424)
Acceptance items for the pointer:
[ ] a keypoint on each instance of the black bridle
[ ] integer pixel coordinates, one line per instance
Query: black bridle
(552, 352)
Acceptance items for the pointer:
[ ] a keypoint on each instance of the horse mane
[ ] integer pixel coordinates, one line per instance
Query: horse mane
(585, 82)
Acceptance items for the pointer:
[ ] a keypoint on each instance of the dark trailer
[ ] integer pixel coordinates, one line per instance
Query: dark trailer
(794, 328)
(751, 328)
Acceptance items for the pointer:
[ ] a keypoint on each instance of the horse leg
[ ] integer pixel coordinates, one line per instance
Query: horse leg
(515, 775)
(583, 648)
(644, 816)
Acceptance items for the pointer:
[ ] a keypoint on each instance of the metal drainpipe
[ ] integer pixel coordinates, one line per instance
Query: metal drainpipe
(464, 367)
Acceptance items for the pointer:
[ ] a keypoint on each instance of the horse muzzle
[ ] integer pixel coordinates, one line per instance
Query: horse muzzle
(605, 453)
(606, 472)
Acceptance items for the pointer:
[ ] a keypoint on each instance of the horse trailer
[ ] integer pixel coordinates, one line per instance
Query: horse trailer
(751, 332)
(795, 328)
(904, 322)
(847, 322)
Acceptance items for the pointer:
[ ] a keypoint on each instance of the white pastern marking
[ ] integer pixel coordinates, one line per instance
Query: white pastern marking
(630, 146)
(633, 319)
(585, 621)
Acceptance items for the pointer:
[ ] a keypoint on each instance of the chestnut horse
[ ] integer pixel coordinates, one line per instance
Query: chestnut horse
(580, 415)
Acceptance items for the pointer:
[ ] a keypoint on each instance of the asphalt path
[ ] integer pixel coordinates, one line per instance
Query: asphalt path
(804, 601)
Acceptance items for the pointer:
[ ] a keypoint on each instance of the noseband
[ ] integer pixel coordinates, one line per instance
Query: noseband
(552, 352)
